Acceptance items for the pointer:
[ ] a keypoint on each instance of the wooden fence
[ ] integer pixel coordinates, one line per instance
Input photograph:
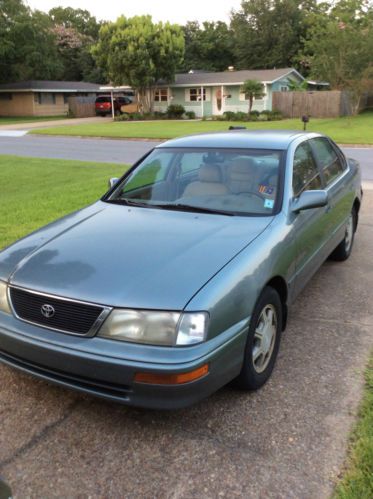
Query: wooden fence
(82, 107)
(317, 104)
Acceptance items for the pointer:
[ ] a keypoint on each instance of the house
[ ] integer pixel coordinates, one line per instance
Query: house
(208, 93)
(42, 98)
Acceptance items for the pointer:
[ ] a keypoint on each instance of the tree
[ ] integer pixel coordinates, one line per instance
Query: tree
(269, 33)
(78, 19)
(253, 90)
(76, 31)
(339, 48)
(208, 47)
(27, 45)
(139, 53)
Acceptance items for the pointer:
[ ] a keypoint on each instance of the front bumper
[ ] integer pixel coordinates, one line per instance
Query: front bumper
(107, 368)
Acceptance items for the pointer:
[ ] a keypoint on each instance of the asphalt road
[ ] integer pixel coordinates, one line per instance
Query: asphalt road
(287, 440)
(118, 151)
(101, 150)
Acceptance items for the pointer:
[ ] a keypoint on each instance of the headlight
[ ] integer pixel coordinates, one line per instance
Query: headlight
(155, 328)
(4, 304)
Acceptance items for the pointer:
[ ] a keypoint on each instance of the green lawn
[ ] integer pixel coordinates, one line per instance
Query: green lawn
(4, 120)
(357, 482)
(36, 191)
(346, 130)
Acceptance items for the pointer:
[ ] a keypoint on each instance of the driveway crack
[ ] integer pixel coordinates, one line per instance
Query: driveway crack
(38, 437)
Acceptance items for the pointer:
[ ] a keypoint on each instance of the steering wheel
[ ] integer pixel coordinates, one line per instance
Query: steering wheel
(260, 195)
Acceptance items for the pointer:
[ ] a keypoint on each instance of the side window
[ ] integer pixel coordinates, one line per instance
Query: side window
(328, 158)
(305, 172)
(191, 162)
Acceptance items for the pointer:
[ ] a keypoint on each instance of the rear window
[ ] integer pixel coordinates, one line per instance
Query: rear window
(103, 99)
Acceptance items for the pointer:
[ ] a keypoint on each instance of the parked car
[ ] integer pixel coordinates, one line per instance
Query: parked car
(179, 279)
(122, 104)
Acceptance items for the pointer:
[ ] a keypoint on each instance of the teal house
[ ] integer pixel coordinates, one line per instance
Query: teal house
(208, 93)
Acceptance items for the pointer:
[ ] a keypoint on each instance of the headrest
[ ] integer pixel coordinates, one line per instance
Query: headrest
(209, 173)
(242, 169)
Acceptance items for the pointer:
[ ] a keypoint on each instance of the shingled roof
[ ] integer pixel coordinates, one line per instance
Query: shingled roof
(53, 86)
(231, 77)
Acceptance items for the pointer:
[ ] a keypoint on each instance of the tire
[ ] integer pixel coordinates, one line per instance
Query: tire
(344, 248)
(255, 372)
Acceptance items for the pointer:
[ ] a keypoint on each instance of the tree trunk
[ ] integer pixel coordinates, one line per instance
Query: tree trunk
(251, 98)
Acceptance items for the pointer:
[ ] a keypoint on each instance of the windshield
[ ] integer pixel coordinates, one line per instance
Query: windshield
(227, 181)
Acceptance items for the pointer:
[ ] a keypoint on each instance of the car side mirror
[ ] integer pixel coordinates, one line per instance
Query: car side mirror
(308, 200)
(112, 182)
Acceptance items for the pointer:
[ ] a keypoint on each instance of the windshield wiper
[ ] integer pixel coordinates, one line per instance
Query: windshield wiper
(196, 209)
(128, 202)
(171, 206)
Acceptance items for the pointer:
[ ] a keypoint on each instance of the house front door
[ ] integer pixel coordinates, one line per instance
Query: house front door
(217, 100)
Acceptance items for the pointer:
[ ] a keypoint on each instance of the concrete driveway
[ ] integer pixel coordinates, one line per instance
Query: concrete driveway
(286, 441)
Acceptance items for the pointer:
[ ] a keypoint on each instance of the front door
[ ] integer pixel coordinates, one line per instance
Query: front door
(217, 100)
(310, 225)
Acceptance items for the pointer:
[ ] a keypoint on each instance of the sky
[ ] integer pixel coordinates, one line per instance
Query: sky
(175, 11)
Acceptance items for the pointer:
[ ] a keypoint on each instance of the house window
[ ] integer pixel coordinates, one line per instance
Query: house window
(161, 95)
(45, 98)
(6, 96)
(284, 89)
(66, 98)
(195, 94)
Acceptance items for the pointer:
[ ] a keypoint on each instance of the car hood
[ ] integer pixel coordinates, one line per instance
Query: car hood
(128, 256)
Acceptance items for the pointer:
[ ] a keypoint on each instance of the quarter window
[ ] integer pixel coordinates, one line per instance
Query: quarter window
(328, 159)
(305, 173)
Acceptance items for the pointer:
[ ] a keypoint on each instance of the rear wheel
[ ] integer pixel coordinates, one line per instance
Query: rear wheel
(263, 341)
(344, 248)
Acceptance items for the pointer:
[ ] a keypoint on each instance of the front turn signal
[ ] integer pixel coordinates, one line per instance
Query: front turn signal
(172, 379)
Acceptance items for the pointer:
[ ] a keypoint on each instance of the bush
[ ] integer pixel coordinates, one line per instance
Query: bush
(175, 111)
(253, 116)
(191, 115)
(159, 115)
(240, 116)
(228, 115)
(276, 115)
(122, 117)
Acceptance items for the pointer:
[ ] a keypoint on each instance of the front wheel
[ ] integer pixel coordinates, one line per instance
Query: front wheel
(263, 341)
(344, 248)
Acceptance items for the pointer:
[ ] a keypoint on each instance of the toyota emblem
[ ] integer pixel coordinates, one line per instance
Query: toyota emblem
(47, 310)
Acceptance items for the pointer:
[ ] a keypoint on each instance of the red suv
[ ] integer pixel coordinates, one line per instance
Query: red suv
(103, 105)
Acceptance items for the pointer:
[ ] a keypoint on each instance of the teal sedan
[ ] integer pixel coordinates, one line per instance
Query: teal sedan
(179, 279)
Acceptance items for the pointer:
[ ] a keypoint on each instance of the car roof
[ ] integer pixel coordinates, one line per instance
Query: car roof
(240, 139)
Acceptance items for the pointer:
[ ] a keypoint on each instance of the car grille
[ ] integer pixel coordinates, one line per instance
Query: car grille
(59, 313)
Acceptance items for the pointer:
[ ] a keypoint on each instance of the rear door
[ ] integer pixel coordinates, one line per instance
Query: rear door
(335, 173)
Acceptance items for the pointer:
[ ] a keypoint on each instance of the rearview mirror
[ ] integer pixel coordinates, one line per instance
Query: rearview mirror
(308, 200)
(112, 182)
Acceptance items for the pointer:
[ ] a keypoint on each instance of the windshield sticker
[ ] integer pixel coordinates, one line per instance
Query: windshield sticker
(269, 203)
(266, 189)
